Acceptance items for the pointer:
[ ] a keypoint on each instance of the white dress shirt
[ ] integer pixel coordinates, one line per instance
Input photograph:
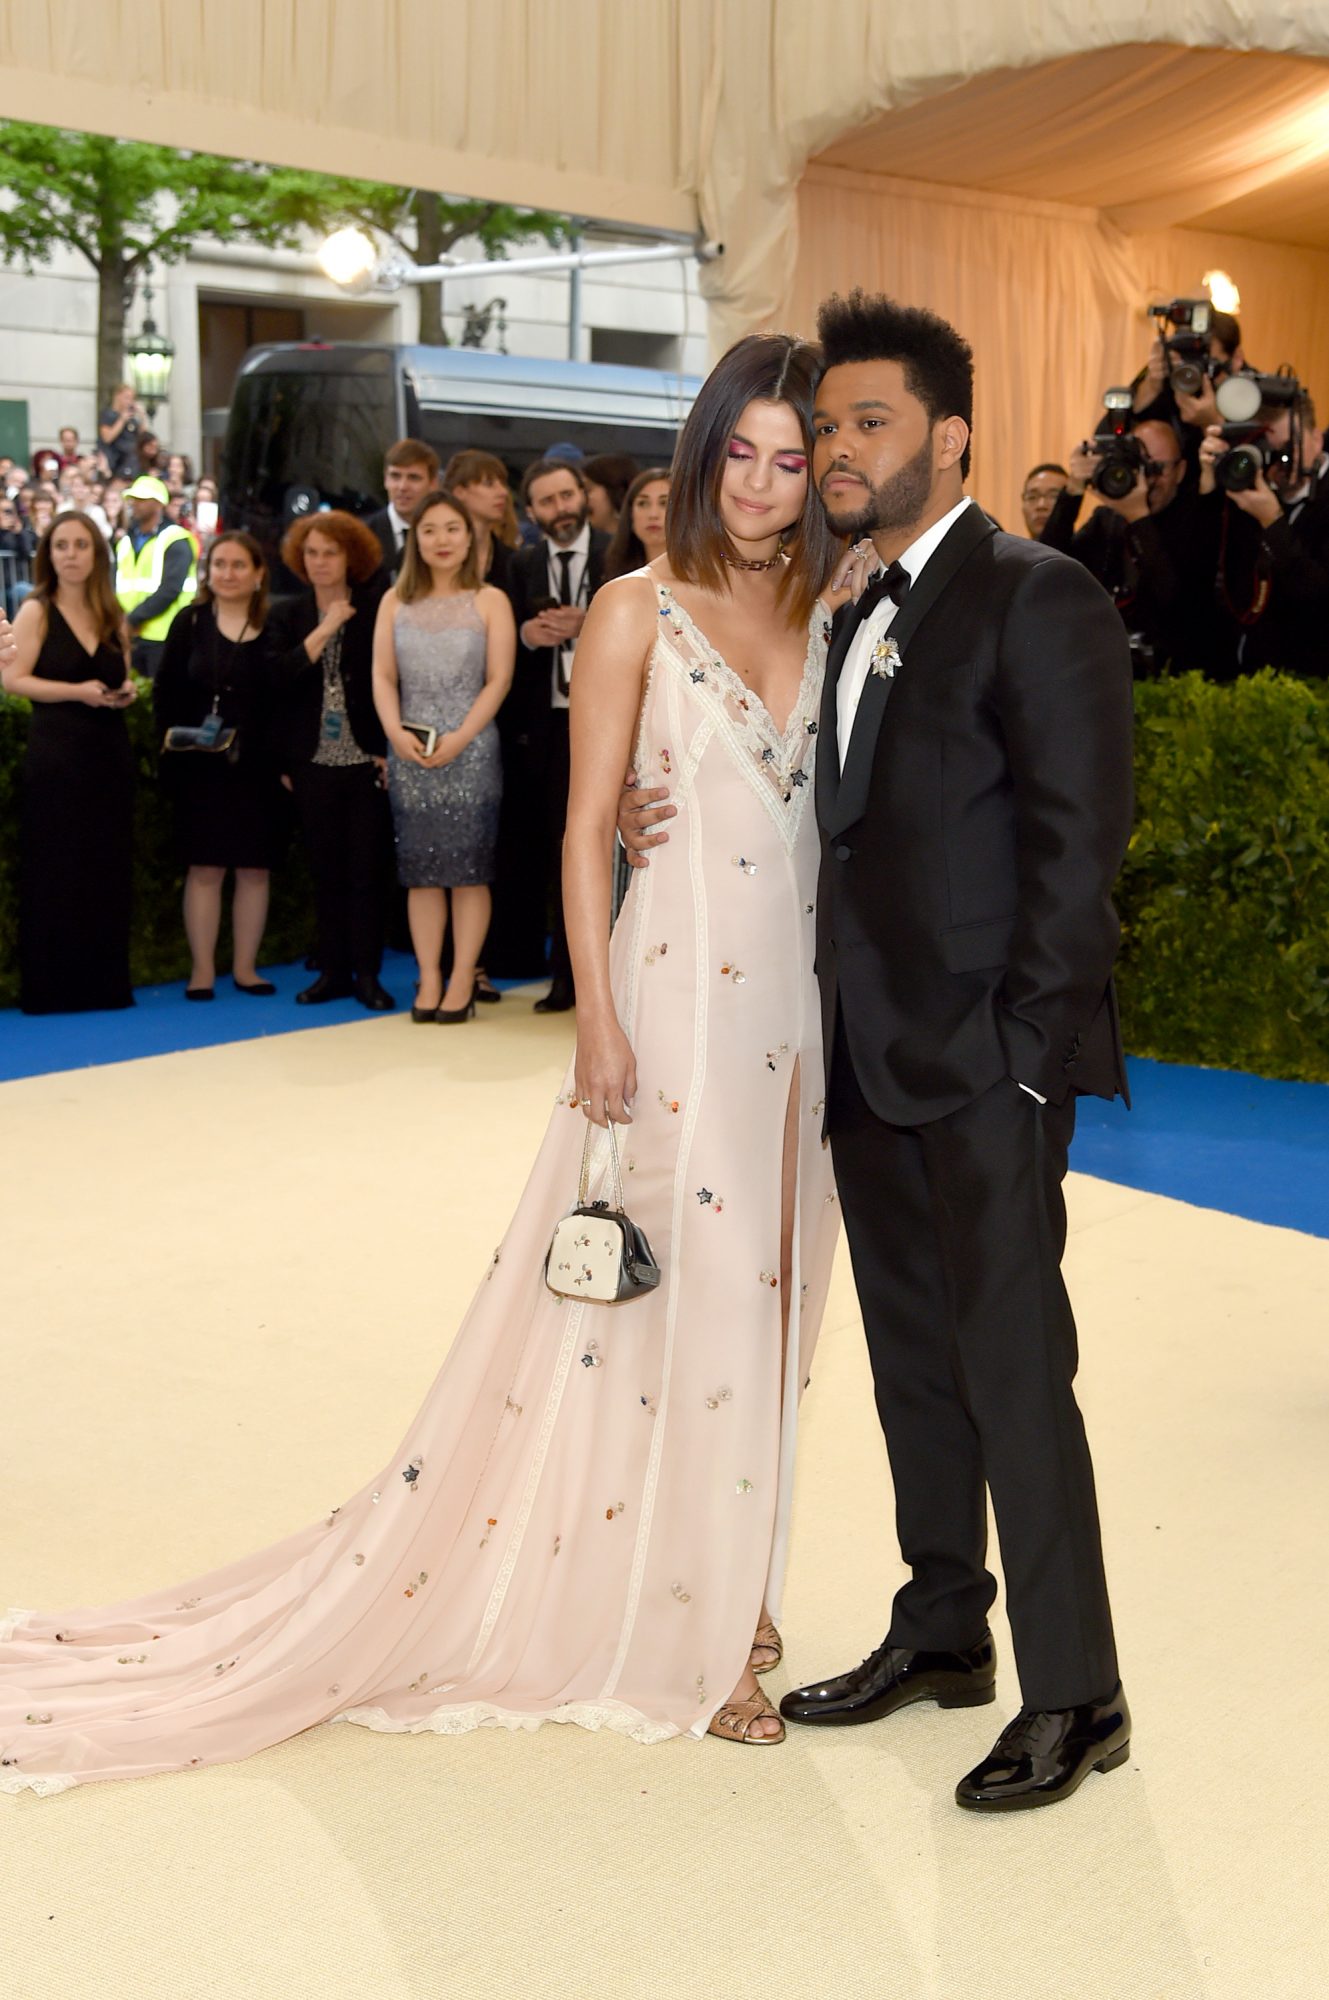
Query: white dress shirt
(580, 551)
(854, 672)
(398, 523)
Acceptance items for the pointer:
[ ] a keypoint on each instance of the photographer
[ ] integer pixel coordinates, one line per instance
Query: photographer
(1268, 486)
(1180, 379)
(1149, 544)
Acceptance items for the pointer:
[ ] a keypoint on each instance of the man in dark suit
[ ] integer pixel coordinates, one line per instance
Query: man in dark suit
(550, 585)
(974, 796)
(410, 469)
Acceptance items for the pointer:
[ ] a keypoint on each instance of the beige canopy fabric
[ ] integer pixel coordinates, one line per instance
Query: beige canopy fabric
(828, 73)
(1033, 170)
(663, 112)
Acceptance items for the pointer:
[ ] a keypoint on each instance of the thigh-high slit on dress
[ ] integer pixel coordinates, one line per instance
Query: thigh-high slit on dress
(583, 1518)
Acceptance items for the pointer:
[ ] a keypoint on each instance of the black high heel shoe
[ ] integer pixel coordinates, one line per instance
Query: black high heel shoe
(449, 1017)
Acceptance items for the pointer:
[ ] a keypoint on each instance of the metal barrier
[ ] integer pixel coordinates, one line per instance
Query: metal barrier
(15, 579)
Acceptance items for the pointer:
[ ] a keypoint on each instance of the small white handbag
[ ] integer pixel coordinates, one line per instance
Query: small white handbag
(598, 1252)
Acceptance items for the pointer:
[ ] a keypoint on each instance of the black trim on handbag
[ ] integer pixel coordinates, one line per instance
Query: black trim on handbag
(598, 1252)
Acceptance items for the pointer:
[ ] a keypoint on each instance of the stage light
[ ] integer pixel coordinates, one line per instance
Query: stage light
(349, 259)
(1222, 290)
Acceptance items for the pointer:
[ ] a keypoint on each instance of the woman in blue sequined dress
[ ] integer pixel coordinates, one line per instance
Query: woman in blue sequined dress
(444, 648)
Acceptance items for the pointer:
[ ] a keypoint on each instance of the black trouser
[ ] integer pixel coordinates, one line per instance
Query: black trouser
(343, 811)
(558, 770)
(956, 1229)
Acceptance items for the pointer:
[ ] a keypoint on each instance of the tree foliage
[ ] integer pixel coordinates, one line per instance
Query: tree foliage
(125, 205)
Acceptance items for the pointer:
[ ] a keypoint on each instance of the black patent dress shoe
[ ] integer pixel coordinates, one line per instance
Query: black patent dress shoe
(558, 999)
(325, 987)
(893, 1677)
(371, 993)
(1046, 1753)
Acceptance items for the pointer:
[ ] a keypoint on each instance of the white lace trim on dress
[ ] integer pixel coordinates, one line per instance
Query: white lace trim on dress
(14, 1782)
(461, 1721)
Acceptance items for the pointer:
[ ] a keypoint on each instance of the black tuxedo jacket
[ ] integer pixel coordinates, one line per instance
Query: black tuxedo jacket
(300, 679)
(965, 928)
(381, 525)
(528, 707)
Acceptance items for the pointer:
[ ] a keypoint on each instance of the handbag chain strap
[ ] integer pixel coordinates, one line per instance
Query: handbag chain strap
(584, 1186)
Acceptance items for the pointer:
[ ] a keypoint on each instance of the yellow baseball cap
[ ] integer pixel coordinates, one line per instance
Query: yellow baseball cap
(145, 487)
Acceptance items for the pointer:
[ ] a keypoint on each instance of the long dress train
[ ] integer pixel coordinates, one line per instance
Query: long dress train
(582, 1520)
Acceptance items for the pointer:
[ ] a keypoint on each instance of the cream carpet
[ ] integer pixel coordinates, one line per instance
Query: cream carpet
(226, 1282)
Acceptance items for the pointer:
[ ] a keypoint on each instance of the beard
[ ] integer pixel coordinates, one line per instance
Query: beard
(898, 503)
(565, 528)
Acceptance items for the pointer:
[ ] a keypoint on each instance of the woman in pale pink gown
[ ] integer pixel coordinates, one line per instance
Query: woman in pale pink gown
(587, 1520)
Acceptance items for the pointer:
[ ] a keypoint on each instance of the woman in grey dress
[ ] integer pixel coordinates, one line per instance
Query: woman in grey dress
(444, 648)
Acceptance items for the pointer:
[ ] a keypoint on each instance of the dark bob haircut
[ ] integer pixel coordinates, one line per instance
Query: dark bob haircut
(359, 544)
(761, 368)
(938, 362)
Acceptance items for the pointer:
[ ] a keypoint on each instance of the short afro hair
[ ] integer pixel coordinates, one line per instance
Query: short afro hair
(938, 362)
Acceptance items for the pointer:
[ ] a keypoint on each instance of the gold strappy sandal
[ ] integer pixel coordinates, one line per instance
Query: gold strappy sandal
(767, 1640)
(734, 1719)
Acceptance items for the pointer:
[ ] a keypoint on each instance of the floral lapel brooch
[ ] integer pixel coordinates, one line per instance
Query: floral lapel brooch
(885, 658)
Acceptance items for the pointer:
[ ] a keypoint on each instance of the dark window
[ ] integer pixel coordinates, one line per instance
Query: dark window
(303, 440)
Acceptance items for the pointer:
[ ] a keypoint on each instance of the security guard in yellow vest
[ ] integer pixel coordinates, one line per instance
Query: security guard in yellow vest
(155, 571)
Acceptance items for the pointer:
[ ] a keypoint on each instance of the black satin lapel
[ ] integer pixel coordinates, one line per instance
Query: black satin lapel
(952, 552)
(852, 798)
(846, 622)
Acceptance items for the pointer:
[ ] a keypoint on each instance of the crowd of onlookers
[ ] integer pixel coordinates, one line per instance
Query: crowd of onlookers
(409, 695)
(1208, 482)
(92, 477)
(407, 690)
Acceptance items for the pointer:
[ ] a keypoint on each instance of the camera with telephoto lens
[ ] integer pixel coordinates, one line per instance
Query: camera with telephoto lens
(1121, 457)
(1190, 362)
(1247, 404)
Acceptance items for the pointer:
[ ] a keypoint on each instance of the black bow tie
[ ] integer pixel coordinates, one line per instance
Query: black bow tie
(892, 583)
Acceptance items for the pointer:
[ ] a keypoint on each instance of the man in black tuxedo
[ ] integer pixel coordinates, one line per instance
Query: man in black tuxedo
(410, 469)
(550, 585)
(974, 797)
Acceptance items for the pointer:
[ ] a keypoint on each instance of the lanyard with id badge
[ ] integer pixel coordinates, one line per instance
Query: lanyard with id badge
(212, 735)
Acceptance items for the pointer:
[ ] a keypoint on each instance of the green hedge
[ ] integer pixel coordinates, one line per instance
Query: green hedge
(1224, 896)
(157, 950)
(1225, 893)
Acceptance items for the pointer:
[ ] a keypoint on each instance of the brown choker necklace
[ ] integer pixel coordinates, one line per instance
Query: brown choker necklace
(747, 562)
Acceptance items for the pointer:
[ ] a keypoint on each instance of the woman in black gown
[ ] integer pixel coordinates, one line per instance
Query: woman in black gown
(77, 808)
(216, 674)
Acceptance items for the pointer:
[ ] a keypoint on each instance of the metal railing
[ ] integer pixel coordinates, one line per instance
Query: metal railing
(15, 580)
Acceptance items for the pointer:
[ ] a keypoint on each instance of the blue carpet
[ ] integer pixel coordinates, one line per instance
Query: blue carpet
(1218, 1138)
(163, 1022)
(1215, 1137)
